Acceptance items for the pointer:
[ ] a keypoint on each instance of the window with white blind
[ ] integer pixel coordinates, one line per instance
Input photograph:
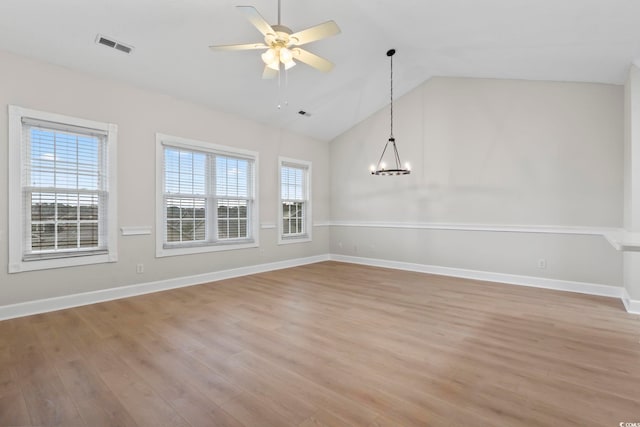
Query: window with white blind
(61, 189)
(206, 198)
(294, 213)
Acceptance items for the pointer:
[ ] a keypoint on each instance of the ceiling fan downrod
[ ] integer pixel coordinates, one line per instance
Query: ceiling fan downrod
(279, 22)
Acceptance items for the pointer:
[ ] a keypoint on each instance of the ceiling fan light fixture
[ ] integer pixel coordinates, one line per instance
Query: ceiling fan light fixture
(280, 37)
(273, 56)
(269, 56)
(285, 55)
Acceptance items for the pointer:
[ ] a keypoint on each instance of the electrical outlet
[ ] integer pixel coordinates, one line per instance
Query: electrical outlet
(542, 263)
(140, 268)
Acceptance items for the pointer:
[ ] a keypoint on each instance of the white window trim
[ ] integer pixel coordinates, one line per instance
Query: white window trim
(16, 162)
(308, 212)
(190, 144)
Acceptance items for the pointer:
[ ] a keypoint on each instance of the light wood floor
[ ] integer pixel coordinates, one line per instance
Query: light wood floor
(328, 344)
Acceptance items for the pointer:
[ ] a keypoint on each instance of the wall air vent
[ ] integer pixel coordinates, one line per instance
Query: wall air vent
(100, 39)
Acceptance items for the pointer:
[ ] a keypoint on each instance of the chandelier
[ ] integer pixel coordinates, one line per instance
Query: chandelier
(395, 168)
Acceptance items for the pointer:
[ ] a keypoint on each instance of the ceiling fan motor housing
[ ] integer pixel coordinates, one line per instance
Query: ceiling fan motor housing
(280, 38)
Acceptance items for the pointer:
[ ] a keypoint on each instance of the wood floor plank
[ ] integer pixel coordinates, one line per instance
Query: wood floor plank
(13, 410)
(143, 403)
(8, 379)
(47, 400)
(328, 344)
(183, 365)
(252, 410)
(189, 402)
(54, 345)
(97, 404)
(310, 363)
(324, 418)
(344, 410)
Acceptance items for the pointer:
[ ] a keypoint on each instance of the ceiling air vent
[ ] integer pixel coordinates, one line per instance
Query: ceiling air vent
(100, 39)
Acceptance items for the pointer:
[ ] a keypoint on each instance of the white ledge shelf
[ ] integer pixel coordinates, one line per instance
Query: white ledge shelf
(144, 230)
(500, 228)
(625, 241)
(618, 238)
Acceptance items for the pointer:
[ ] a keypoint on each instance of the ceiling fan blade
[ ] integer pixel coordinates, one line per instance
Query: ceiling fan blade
(248, 46)
(313, 60)
(269, 73)
(256, 19)
(318, 32)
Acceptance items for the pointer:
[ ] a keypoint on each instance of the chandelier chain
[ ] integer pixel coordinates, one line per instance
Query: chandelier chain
(391, 95)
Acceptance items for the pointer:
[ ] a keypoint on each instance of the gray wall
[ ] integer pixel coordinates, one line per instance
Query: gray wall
(490, 153)
(139, 114)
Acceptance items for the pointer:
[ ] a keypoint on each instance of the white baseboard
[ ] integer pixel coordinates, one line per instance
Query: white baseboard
(632, 306)
(512, 279)
(69, 301)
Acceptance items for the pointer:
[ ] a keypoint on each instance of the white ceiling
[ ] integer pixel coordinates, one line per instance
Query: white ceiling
(561, 40)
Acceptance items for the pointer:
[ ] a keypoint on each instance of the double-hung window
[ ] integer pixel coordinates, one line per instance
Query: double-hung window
(62, 191)
(206, 198)
(294, 214)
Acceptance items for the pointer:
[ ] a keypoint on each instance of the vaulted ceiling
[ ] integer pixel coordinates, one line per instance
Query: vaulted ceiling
(560, 40)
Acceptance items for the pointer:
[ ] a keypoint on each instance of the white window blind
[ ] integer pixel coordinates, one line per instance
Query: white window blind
(294, 200)
(62, 183)
(185, 195)
(64, 188)
(233, 196)
(208, 197)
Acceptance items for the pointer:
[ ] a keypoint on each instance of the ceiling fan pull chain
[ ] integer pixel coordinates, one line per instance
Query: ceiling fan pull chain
(282, 88)
(286, 86)
(279, 88)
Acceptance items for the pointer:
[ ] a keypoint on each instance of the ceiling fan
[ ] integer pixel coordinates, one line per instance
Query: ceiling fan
(281, 43)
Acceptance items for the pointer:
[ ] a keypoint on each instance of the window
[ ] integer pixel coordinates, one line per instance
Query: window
(62, 182)
(294, 214)
(206, 198)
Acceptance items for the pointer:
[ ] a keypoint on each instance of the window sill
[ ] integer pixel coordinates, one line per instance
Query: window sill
(47, 264)
(189, 250)
(290, 240)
